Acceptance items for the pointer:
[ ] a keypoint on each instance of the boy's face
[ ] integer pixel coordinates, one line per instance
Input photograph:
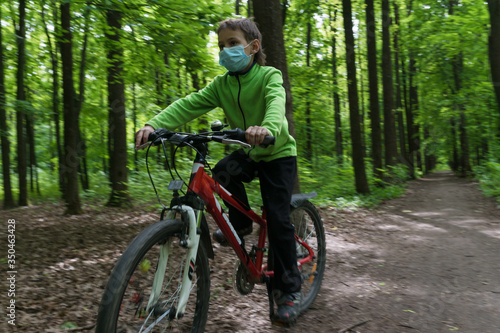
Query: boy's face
(230, 38)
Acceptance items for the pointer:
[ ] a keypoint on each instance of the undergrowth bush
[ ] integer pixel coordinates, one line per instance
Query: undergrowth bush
(488, 175)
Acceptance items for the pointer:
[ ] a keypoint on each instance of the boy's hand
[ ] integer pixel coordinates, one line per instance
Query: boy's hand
(142, 135)
(254, 135)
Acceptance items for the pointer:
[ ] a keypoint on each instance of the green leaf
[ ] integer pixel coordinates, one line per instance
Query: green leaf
(68, 325)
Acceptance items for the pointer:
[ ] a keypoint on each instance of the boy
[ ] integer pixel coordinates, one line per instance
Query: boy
(253, 98)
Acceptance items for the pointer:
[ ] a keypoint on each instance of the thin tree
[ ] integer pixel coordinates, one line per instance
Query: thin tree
(308, 154)
(376, 134)
(494, 49)
(336, 97)
(458, 68)
(55, 96)
(361, 181)
(8, 201)
(268, 17)
(117, 131)
(71, 159)
(20, 105)
(390, 140)
(398, 96)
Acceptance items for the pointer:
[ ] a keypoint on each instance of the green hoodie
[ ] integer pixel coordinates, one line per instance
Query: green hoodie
(256, 98)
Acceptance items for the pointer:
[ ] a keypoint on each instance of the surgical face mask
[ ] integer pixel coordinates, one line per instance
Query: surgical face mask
(234, 58)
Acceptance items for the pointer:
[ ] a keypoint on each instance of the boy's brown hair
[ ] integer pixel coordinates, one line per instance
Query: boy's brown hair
(250, 31)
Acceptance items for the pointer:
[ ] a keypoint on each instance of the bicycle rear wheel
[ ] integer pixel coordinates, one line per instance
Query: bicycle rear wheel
(309, 227)
(124, 303)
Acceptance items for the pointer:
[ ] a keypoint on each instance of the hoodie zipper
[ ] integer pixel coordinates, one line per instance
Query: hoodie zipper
(239, 104)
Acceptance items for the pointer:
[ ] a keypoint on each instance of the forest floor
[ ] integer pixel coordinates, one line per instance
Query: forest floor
(425, 262)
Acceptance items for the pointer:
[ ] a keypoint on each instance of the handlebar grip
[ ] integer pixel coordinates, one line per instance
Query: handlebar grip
(158, 134)
(268, 140)
(239, 134)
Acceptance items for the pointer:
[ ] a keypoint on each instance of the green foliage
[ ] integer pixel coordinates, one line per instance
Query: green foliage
(489, 178)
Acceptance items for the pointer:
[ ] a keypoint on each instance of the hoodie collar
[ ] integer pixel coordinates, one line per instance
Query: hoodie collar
(243, 72)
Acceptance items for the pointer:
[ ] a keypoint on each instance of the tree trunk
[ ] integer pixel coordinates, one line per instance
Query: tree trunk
(458, 68)
(357, 153)
(20, 112)
(55, 98)
(117, 134)
(376, 132)
(82, 147)
(412, 107)
(399, 104)
(494, 49)
(308, 153)
(336, 98)
(390, 139)
(268, 18)
(71, 160)
(8, 201)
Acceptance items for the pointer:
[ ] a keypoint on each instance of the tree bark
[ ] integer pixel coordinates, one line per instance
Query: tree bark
(268, 18)
(357, 153)
(308, 154)
(117, 134)
(55, 98)
(398, 100)
(376, 133)
(494, 49)
(71, 160)
(8, 201)
(390, 139)
(20, 105)
(336, 98)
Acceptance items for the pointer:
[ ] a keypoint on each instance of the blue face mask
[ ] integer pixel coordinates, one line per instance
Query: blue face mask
(234, 58)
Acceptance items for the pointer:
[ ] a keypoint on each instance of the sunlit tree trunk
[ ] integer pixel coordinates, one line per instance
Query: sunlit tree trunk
(8, 199)
(117, 134)
(71, 160)
(373, 82)
(361, 181)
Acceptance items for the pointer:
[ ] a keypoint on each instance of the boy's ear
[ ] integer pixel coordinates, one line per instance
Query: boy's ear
(255, 46)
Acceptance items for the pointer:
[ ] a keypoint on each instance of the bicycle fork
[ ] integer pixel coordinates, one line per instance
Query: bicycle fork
(191, 243)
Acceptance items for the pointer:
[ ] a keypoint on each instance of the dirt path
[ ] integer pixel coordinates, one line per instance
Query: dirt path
(426, 262)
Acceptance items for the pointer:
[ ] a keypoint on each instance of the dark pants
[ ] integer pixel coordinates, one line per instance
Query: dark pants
(276, 183)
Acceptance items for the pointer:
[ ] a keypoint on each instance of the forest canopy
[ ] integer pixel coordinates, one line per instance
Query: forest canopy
(378, 91)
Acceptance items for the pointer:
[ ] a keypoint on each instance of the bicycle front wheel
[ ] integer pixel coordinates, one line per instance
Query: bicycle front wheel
(309, 227)
(124, 306)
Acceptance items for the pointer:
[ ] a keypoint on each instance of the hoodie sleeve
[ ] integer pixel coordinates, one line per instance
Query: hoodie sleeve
(188, 108)
(275, 98)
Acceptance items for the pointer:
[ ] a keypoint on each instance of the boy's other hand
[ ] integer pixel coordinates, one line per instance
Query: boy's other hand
(142, 135)
(254, 135)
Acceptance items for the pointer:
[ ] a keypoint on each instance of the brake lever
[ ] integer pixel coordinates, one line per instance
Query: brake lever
(238, 142)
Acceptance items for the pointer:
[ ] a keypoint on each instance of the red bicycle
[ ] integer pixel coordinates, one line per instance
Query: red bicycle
(161, 283)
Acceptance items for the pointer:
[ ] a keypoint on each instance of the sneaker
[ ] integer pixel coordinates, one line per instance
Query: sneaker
(288, 307)
(218, 236)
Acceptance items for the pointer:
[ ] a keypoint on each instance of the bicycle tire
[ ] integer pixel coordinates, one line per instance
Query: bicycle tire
(309, 227)
(127, 291)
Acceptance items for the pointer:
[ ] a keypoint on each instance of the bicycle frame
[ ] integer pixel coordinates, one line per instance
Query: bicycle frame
(204, 186)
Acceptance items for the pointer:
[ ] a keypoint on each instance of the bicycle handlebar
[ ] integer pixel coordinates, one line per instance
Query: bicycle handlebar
(235, 136)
